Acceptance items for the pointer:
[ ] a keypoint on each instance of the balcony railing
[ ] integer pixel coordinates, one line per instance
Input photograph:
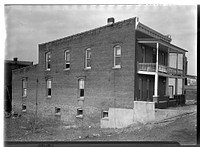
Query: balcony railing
(151, 67)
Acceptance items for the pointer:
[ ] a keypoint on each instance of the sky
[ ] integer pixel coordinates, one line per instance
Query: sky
(30, 25)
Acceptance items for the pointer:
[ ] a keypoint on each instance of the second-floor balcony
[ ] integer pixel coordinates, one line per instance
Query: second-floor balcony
(151, 67)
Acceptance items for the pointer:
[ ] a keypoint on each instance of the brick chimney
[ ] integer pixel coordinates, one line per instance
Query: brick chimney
(15, 59)
(110, 20)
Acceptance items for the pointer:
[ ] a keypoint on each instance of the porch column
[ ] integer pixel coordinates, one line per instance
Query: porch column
(167, 86)
(155, 97)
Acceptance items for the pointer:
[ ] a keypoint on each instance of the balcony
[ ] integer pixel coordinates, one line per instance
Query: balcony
(151, 67)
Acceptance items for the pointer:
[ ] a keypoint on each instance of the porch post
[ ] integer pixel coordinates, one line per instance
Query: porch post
(167, 86)
(155, 97)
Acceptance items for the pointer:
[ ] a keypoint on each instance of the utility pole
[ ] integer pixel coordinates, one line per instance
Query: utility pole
(36, 104)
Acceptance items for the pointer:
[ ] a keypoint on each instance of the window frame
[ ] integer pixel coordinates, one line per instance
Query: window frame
(67, 62)
(105, 115)
(86, 58)
(117, 56)
(47, 61)
(24, 94)
(81, 88)
(57, 111)
(24, 105)
(47, 88)
(79, 115)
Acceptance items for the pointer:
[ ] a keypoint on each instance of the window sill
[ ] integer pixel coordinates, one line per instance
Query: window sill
(66, 69)
(116, 67)
(105, 118)
(79, 116)
(87, 68)
(24, 111)
(81, 99)
(48, 70)
(49, 97)
(57, 114)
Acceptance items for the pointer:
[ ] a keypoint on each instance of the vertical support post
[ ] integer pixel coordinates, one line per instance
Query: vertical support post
(167, 86)
(176, 62)
(155, 97)
(36, 104)
(157, 46)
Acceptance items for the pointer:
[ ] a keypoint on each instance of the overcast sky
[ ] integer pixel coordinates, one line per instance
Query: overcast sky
(27, 26)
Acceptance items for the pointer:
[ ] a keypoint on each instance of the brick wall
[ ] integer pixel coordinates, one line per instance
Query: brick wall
(104, 86)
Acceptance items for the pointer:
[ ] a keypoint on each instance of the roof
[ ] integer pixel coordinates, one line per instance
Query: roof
(92, 31)
(18, 62)
(163, 39)
(152, 40)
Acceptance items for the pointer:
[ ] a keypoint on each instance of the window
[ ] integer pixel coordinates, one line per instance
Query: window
(81, 88)
(48, 61)
(49, 88)
(57, 111)
(23, 107)
(154, 56)
(170, 91)
(105, 114)
(24, 87)
(179, 86)
(88, 59)
(117, 56)
(67, 60)
(180, 61)
(79, 113)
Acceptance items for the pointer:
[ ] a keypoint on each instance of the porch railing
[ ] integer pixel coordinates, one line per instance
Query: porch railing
(151, 67)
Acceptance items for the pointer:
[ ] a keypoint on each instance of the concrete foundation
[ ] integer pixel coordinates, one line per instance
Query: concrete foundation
(117, 118)
(143, 112)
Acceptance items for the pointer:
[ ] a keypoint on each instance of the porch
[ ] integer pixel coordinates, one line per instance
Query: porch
(151, 67)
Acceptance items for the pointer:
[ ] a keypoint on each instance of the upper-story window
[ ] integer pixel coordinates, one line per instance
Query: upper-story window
(48, 84)
(88, 58)
(48, 60)
(24, 87)
(117, 56)
(67, 59)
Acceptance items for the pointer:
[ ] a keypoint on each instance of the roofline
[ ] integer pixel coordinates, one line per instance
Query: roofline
(147, 30)
(150, 40)
(89, 31)
(18, 62)
(23, 68)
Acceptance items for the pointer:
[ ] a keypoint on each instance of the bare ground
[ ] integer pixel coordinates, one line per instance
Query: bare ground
(181, 128)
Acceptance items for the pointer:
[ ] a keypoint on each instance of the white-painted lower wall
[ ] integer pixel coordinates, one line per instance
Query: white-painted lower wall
(119, 118)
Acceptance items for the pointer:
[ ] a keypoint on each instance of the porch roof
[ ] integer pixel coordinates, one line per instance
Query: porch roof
(166, 44)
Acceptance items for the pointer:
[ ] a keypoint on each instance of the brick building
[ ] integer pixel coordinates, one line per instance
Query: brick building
(83, 75)
(10, 65)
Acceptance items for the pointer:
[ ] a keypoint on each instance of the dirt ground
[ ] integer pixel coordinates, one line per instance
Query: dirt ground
(181, 128)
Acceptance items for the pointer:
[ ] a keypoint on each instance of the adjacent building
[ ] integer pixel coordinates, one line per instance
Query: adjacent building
(10, 65)
(81, 76)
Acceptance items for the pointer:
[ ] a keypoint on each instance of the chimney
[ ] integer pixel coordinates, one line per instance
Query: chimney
(15, 59)
(110, 20)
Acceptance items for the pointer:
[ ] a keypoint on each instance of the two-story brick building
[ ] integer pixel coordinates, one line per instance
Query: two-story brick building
(83, 75)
